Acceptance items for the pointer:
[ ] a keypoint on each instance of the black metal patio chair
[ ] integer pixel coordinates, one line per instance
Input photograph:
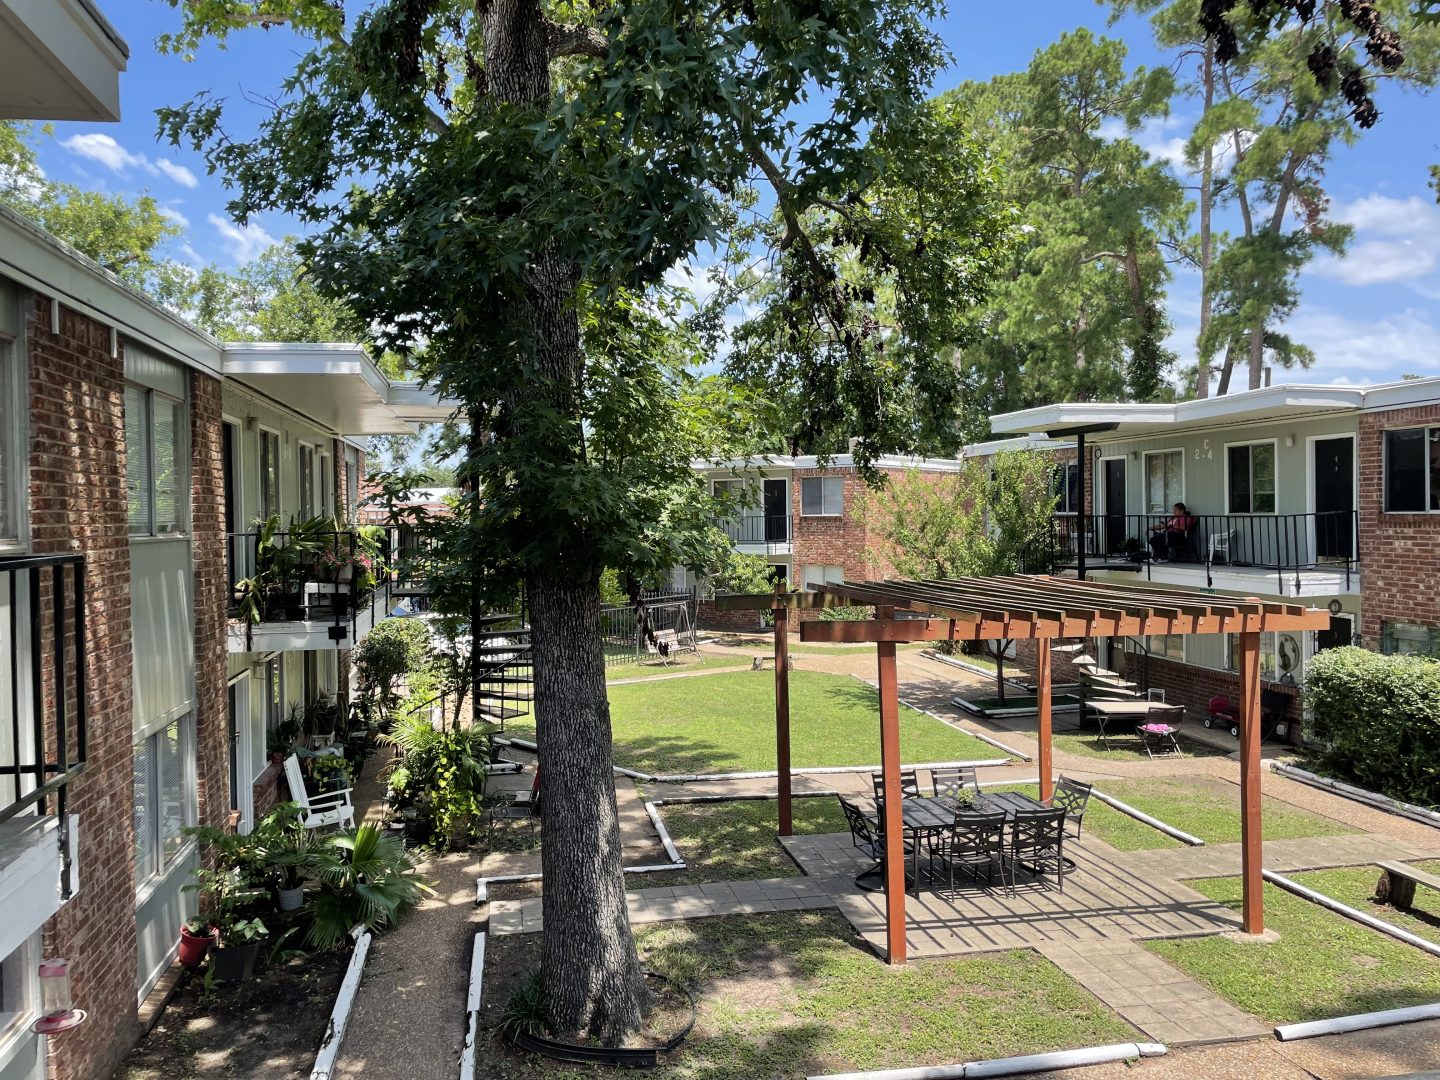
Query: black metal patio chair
(866, 836)
(1073, 796)
(909, 786)
(953, 781)
(1037, 845)
(976, 839)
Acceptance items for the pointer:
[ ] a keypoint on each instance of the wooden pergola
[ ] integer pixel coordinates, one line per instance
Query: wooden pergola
(1034, 608)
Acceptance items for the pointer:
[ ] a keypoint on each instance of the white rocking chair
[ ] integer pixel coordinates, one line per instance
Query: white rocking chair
(318, 811)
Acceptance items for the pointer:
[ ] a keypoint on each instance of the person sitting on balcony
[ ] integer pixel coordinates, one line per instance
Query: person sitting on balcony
(1172, 536)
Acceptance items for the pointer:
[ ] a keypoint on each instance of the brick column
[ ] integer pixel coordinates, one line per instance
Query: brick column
(208, 551)
(77, 503)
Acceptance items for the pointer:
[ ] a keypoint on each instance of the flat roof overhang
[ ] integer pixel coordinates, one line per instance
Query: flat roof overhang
(62, 61)
(336, 385)
(1116, 419)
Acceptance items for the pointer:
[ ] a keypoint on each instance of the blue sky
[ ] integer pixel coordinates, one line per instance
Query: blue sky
(1371, 316)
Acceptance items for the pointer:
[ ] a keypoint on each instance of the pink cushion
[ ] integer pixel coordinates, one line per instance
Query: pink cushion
(1158, 729)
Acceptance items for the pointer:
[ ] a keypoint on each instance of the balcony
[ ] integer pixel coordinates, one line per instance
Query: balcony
(42, 733)
(314, 588)
(759, 534)
(1281, 554)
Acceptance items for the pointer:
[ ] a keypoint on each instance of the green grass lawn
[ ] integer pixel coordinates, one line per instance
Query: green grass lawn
(795, 994)
(726, 723)
(1207, 809)
(1124, 746)
(683, 662)
(1323, 965)
(735, 841)
(1356, 886)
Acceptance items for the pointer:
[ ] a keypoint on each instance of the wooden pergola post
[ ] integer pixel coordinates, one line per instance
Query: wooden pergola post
(890, 772)
(782, 717)
(1251, 848)
(1043, 697)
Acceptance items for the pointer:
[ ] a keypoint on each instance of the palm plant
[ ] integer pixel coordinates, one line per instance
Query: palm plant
(446, 770)
(366, 878)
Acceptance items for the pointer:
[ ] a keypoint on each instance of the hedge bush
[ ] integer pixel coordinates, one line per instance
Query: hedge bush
(1377, 721)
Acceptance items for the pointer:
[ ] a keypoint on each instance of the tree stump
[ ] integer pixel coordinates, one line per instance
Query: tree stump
(1397, 891)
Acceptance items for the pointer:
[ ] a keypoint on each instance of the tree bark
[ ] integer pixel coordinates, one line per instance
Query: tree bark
(1207, 179)
(589, 967)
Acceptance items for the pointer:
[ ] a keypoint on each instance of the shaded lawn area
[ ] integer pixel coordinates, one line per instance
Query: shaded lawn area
(1355, 885)
(1209, 809)
(686, 661)
(1323, 965)
(796, 993)
(1126, 746)
(727, 724)
(736, 841)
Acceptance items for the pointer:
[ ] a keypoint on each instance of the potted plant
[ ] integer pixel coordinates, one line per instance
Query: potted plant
(331, 771)
(292, 855)
(233, 959)
(196, 937)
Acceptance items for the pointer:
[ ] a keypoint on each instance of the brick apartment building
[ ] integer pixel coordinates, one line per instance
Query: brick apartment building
(1323, 495)
(136, 456)
(805, 520)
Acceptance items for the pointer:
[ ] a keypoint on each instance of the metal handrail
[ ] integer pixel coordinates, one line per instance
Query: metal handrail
(57, 681)
(770, 529)
(1283, 543)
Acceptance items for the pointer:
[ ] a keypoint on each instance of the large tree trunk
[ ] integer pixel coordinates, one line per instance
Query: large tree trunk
(589, 967)
(1207, 179)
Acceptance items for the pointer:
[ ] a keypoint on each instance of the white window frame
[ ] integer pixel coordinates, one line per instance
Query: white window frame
(1062, 476)
(182, 465)
(262, 485)
(307, 493)
(1428, 495)
(838, 481)
(828, 574)
(1145, 457)
(14, 406)
(189, 798)
(1274, 444)
(1387, 636)
(1164, 639)
(274, 695)
(18, 972)
(325, 489)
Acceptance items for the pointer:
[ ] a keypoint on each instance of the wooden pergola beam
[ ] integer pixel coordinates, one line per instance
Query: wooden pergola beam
(793, 601)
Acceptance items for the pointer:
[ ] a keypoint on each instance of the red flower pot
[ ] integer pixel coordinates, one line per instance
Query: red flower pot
(193, 947)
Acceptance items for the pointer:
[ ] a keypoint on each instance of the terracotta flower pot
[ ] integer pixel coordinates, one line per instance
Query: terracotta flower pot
(193, 947)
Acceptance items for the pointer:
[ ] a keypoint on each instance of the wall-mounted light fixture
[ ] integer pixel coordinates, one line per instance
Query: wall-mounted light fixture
(1289, 440)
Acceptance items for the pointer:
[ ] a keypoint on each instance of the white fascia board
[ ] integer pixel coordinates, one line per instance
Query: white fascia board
(36, 260)
(77, 46)
(1046, 418)
(1026, 442)
(1266, 399)
(29, 877)
(1401, 395)
(297, 358)
(419, 404)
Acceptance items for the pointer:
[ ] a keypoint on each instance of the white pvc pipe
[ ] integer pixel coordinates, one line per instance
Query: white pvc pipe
(1357, 1022)
(472, 1008)
(764, 796)
(1361, 917)
(1350, 791)
(653, 869)
(817, 770)
(1011, 1066)
(665, 840)
(340, 1014)
(1154, 823)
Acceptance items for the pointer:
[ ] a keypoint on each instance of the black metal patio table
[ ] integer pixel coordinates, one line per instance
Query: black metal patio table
(925, 815)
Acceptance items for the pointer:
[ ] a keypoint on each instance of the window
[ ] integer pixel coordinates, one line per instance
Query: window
(1170, 646)
(312, 677)
(1409, 639)
(236, 727)
(269, 473)
(1412, 470)
(822, 496)
(1250, 474)
(13, 437)
(274, 694)
(1066, 486)
(155, 473)
(1269, 665)
(164, 798)
(1164, 480)
(820, 575)
(309, 504)
(18, 1006)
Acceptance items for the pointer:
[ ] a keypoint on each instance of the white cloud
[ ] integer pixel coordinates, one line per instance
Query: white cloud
(106, 151)
(1365, 350)
(1396, 240)
(695, 279)
(179, 173)
(243, 243)
(1156, 136)
(175, 215)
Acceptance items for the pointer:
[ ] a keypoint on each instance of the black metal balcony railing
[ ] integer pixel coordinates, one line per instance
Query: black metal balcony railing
(1282, 543)
(770, 530)
(325, 576)
(42, 709)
